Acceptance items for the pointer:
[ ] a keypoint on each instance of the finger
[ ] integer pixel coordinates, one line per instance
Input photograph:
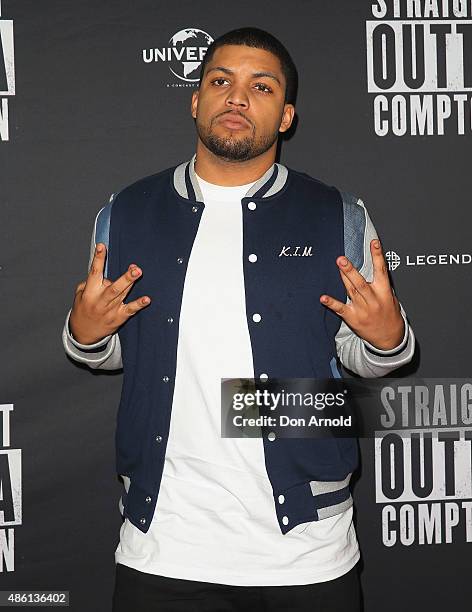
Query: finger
(351, 290)
(340, 308)
(361, 286)
(95, 275)
(135, 306)
(380, 265)
(80, 287)
(117, 290)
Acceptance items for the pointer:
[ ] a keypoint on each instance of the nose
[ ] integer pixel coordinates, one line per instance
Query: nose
(237, 98)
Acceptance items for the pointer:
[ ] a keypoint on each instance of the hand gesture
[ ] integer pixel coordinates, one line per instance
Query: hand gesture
(98, 308)
(374, 311)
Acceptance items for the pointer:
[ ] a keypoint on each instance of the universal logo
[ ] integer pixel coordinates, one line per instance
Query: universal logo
(183, 55)
(430, 259)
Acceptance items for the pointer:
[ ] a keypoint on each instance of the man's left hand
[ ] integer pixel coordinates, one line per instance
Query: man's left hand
(374, 311)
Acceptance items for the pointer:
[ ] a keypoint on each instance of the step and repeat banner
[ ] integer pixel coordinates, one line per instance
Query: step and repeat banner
(96, 94)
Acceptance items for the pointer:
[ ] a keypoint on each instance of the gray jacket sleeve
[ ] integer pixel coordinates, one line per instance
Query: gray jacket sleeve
(103, 355)
(356, 354)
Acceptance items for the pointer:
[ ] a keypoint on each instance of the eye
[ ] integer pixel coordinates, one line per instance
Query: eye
(218, 79)
(267, 88)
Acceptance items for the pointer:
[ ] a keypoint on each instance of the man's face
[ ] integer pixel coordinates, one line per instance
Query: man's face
(239, 108)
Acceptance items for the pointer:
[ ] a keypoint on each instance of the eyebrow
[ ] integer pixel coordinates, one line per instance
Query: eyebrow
(256, 75)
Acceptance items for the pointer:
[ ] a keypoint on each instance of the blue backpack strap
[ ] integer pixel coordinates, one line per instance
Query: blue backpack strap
(354, 229)
(354, 232)
(334, 368)
(102, 228)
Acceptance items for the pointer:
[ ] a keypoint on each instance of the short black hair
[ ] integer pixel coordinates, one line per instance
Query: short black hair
(260, 39)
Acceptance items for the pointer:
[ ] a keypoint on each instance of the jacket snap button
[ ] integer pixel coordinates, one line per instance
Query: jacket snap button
(252, 257)
(180, 260)
(252, 206)
(256, 317)
(271, 436)
(165, 378)
(158, 438)
(148, 499)
(170, 320)
(194, 208)
(285, 520)
(263, 376)
(142, 521)
(281, 499)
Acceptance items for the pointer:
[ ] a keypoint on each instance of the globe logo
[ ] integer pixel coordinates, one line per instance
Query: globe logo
(392, 259)
(188, 50)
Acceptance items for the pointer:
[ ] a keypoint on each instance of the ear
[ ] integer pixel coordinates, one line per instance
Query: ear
(194, 103)
(287, 117)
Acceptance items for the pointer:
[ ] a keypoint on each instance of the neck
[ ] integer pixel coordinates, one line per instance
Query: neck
(229, 173)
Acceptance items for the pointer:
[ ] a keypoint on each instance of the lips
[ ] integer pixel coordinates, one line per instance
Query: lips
(234, 122)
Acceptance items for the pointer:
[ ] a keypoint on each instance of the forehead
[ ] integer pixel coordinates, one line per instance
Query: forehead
(241, 57)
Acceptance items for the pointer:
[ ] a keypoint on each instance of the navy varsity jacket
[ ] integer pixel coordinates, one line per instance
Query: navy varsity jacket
(297, 226)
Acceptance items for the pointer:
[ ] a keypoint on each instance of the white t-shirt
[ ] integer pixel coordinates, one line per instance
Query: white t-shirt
(215, 518)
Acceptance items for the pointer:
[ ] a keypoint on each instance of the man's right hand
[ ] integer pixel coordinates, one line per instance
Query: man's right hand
(98, 308)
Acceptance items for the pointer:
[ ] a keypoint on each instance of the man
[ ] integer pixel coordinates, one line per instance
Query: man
(236, 267)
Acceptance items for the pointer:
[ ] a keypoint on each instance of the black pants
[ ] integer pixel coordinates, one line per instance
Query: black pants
(140, 592)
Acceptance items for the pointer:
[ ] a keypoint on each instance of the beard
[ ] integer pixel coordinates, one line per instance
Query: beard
(234, 148)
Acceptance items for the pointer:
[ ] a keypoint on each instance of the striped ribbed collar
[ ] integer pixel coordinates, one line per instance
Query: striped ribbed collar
(186, 181)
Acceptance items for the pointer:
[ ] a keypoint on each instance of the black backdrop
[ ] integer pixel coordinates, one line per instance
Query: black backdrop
(87, 116)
